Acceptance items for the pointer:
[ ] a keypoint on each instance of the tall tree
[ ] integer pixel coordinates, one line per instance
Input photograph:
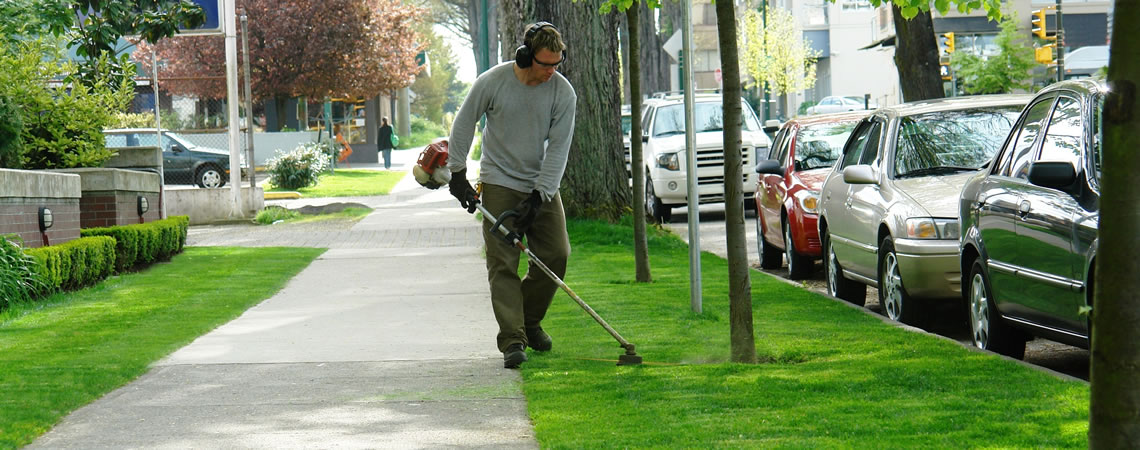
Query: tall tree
(1114, 410)
(349, 48)
(595, 183)
(743, 340)
(432, 91)
(652, 58)
(775, 53)
(93, 28)
(633, 17)
(1000, 73)
(916, 55)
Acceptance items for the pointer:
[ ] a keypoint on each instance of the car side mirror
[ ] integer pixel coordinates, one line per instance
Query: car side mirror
(771, 126)
(769, 166)
(1053, 174)
(859, 174)
(645, 138)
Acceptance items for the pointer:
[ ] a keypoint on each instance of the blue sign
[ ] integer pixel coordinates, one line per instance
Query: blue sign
(213, 24)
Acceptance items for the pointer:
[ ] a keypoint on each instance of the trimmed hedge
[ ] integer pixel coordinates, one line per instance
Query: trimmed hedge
(144, 243)
(74, 264)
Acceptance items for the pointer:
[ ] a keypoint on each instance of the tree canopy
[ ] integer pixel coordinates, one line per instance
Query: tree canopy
(339, 48)
(774, 52)
(1000, 73)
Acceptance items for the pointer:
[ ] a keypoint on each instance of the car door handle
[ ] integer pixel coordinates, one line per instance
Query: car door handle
(1023, 208)
(847, 203)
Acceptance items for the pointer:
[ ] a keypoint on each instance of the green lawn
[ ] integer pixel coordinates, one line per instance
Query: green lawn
(69, 349)
(831, 376)
(351, 183)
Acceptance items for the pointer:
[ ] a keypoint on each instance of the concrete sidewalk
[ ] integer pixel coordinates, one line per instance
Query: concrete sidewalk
(385, 341)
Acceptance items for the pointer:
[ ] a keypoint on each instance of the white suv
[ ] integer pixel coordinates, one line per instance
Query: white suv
(663, 132)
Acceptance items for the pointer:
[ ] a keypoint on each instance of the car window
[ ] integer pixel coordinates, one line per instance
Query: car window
(871, 148)
(1097, 135)
(1030, 128)
(820, 145)
(828, 101)
(1063, 139)
(854, 147)
(951, 141)
(116, 140)
(626, 125)
(646, 119)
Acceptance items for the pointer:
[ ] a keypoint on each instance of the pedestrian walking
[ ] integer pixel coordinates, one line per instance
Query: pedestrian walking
(384, 140)
(529, 108)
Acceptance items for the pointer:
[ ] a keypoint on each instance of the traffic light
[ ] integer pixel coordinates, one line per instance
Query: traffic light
(1044, 54)
(949, 42)
(1038, 22)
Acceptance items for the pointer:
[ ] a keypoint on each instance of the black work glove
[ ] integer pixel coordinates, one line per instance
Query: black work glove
(462, 190)
(528, 211)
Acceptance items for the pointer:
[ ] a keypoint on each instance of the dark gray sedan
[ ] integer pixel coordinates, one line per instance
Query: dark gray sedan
(1029, 224)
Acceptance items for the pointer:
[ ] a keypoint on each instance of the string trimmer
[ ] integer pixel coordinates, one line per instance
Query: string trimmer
(428, 169)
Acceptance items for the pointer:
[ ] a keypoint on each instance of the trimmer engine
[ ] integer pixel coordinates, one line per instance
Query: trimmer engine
(431, 168)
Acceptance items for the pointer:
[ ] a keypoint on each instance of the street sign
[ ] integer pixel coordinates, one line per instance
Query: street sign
(673, 45)
(213, 24)
(717, 75)
(944, 70)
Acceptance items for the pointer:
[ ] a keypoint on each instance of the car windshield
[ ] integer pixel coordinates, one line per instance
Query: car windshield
(820, 145)
(707, 116)
(626, 125)
(951, 141)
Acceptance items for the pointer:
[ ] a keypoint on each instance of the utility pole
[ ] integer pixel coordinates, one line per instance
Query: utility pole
(1060, 45)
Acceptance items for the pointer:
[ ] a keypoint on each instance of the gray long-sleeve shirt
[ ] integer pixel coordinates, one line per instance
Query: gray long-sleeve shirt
(527, 137)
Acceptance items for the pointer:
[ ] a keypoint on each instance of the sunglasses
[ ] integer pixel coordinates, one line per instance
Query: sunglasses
(551, 65)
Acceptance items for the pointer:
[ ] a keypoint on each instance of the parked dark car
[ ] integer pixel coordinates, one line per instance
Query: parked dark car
(888, 211)
(787, 196)
(1029, 224)
(182, 161)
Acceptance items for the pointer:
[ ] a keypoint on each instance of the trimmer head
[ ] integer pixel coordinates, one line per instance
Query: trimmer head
(630, 358)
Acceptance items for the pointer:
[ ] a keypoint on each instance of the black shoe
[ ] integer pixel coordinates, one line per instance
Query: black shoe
(514, 356)
(538, 339)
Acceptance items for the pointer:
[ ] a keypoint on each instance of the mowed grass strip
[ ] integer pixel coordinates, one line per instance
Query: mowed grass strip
(830, 375)
(351, 183)
(67, 350)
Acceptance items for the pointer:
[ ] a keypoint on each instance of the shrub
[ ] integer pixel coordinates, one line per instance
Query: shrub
(423, 133)
(74, 264)
(18, 278)
(272, 214)
(11, 124)
(300, 167)
(140, 244)
(62, 124)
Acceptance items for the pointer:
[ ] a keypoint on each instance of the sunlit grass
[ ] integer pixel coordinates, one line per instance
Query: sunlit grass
(351, 183)
(276, 215)
(831, 376)
(64, 351)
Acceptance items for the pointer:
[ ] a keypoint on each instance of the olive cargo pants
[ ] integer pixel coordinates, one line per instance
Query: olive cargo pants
(520, 303)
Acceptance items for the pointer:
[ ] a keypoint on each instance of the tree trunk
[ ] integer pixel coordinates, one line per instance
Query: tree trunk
(514, 16)
(595, 184)
(640, 241)
(739, 284)
(1114, 410)
(654, 60)
(916, 56)
(475, 29)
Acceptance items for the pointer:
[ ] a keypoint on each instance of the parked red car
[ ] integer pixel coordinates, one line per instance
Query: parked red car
(787, 193)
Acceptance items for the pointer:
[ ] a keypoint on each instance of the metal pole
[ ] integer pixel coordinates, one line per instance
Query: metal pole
(158, 130)
(767, 98)
(248, 111)
(232, 106)
(1060, 44)
(694, 195)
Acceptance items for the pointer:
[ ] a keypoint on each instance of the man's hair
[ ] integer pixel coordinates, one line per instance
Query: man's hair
(548, 38)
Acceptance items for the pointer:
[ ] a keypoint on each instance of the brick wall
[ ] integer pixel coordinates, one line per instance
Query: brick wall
(23, 193)
(108, 208)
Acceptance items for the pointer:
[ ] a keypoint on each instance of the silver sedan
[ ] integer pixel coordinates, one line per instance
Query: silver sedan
(888, 209)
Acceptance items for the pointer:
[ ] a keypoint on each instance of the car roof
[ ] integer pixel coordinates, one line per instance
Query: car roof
(954, 103)
(133, 130)
(1086, 86)
(829, 118)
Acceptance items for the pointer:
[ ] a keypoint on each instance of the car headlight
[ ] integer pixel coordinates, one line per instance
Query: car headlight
(808, 200)
(669, 161)
(931, 228)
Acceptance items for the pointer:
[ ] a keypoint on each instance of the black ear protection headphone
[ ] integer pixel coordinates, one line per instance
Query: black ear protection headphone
(524, 55)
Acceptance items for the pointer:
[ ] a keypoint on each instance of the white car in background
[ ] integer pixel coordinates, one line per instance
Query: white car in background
(663, 132)
(834, 104)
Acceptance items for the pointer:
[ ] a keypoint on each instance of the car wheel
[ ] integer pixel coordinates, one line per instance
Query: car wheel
(799, 266)
(770, 256)
(896, 304)
(653, 205)
(209, 177)
(838, 286)
(989, 331)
